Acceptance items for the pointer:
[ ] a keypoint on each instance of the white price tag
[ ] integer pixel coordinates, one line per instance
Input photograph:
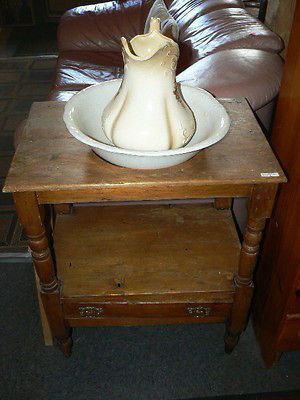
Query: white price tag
(269, 174)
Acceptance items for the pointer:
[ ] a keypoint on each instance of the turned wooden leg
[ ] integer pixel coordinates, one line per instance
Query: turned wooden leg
(31, 218)
(243, 283)
(223, 203)
(260, 208)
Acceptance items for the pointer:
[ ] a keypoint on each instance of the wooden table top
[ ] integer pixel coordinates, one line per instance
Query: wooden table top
(48, 158)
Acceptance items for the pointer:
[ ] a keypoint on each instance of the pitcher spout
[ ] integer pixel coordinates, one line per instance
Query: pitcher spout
(143, 47)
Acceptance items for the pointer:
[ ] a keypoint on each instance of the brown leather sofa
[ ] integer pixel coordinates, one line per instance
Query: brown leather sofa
(223, 48)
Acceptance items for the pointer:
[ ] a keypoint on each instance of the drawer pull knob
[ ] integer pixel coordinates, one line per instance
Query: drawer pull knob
(91, 312)
(198, 312)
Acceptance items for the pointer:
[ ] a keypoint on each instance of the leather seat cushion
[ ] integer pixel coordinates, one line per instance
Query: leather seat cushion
(62, 95)
(229, 28)
(249, 73)
(76, 70)
(187, 11)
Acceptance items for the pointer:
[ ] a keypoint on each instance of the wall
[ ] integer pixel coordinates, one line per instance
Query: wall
(279, 18)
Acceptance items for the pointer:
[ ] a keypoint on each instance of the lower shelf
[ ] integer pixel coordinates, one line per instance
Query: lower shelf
(132, 261)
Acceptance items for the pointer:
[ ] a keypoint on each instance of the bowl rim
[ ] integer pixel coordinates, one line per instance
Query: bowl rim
(84, 138)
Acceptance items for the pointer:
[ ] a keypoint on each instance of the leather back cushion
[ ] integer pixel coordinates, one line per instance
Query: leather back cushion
(186, 11)
(206, 27)
(229, 28)
(168, 25)
(99, 27)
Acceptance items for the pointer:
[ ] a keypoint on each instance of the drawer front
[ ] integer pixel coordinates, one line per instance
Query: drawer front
(100, 310)
(294, 298)
(290, 335)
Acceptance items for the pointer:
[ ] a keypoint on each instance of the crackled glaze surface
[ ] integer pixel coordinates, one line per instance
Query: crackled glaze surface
(149, 112)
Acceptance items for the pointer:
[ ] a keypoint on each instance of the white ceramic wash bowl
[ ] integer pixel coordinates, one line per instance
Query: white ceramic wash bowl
(83, 112)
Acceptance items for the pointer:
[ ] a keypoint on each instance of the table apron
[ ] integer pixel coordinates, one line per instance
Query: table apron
(130, 193)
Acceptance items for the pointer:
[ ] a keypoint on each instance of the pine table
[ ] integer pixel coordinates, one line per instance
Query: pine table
(116, 246)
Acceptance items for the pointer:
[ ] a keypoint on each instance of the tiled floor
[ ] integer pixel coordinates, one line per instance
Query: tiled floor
(23, 80)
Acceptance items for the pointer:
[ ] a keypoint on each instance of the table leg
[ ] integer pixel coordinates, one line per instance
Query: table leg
(260, 208)
(31, 218)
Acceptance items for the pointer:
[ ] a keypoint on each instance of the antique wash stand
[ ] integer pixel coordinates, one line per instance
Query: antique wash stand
(142, 262)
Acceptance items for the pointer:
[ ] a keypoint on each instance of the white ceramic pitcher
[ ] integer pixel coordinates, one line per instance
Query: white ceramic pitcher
(149, 113)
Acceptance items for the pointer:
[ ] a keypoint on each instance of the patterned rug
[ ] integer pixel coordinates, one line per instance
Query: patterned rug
(23, 80)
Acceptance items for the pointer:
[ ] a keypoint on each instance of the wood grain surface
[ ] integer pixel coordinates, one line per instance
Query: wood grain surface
(188, 253)
(50, 159)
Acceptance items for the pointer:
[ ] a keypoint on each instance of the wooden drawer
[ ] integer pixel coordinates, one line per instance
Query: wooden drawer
(290, 335)
(294, 298)
(103, 310)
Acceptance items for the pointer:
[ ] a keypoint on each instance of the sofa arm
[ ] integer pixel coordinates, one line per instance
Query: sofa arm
(250, 73)
(99, 27)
